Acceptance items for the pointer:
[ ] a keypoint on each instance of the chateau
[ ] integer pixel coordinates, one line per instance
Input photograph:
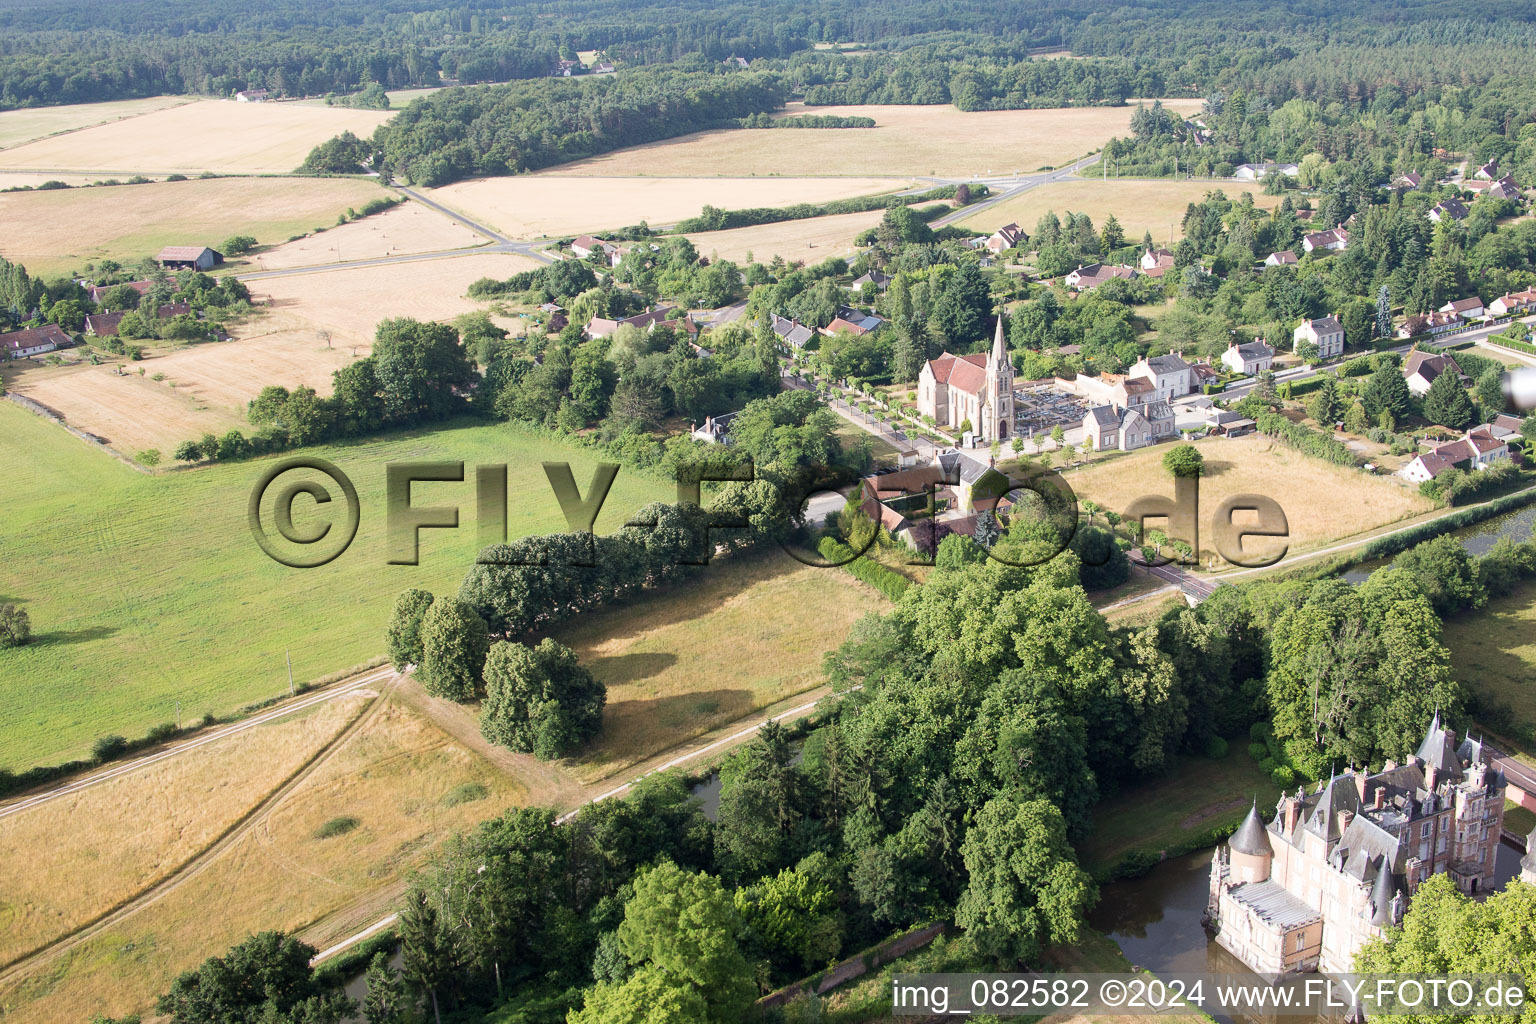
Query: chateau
(1335, 867)
(979, 388)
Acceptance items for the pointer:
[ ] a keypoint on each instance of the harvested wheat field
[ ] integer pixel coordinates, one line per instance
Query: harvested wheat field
(63, 229)
(811, 240)
(1322, 502)
(408, 228)
(205, 135)
(929, 140)
(329, 857)
(129, 412)
(550, 204)
(32, 179)
(350, 303)
(1140, 206)
(112, 841)
(744, 634)
(21, 126)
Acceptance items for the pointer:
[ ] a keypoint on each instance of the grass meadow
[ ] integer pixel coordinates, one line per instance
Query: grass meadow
(18, 127)
(56, 231)
(149, 591)
(1494, 653)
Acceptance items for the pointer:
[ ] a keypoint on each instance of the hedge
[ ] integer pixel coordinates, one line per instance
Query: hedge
(890, 583)
(1305, 439)
(723, 220)
(1511, 344)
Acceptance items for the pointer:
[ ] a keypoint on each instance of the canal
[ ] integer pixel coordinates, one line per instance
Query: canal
(1477, 538)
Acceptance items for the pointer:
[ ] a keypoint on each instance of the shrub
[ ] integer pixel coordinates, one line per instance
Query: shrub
(148, 457)
(109, 747)
(467, 793)
(1216, 748)
(1258, 751)
(890, 583)
(160, 733)
(337, 827)
(1283, 776)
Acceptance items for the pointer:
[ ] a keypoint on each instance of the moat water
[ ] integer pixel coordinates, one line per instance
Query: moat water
(1155, 920)
(1477, 538)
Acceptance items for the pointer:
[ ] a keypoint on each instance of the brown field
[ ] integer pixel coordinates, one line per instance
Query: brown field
(545, 205)
(393, 775)
(22, 126)
(1140, 206)
(931, 140)
(743, 635)
(55, 231)
(111, 841)
(1322, 502)
(205, 135)
(408, 228)
(205, 387)
(811, 240)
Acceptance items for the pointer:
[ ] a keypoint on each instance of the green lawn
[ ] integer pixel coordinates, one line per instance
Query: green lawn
(145, 591)
(851, 434)
(1493, 651)
(1163, 813)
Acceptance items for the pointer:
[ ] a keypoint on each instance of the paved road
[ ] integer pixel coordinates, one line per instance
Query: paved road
(1004, 189)
(283, 710)
(1198, 587)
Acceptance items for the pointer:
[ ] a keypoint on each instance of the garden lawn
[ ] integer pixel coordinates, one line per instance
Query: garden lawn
(146, 592)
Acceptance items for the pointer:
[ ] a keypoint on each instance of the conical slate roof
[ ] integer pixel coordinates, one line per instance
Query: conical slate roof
(1437, 750)
(1251, 836)
(1381, 895)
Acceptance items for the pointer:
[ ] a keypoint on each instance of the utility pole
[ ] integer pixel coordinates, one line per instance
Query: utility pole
(288, 656)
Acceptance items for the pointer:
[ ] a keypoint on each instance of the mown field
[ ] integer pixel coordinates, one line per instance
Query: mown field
(408, 228)
(25, 125)
(807, 241)
(550, 204)
(928, 140)
(1139, 206)
(145, 591)
(205, 135)
(1322, 502)
(406, 788)
(742, 635)
(57, 231)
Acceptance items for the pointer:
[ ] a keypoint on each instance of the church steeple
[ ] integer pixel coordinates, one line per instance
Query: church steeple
(999, 346)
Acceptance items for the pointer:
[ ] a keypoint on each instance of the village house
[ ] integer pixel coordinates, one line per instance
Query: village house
(715, 429)
(1504, 188)
(1337, 867)
(252, 96)
(853, 321)
(1428, 323)
(1479, 448)
(1008, 236)
(1327, 333)
(104, 325)
(602, 327)
(1170, 375)
(1127, 428)
(34, 341)
(1095, 274)
(1488, 172)
(1421, 368)
(1502, 427)
(1469, 308)
(976, 388)
(1407, 182)
(792, 332)
(1513, 303)
(876, 277)
(1157, 262)
(189, 257)
(583, 246)
(98, 291)
(1455, 209)
(1283, 258)
(923, 504)
(1332, 240)
(1248, 358)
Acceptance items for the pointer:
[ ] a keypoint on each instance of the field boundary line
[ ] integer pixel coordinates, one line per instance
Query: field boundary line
(88, 127)
(199, 860)
(282, 710)
(37, 408)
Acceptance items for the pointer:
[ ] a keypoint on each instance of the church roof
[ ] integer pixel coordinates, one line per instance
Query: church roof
(1251, 837)
(969, 377)
(945, 364)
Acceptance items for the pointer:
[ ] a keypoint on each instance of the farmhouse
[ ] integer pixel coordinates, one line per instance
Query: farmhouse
(1488, 172)
(1170, 375)
(1478, 449)
(31, 341)
(602, 327)
(189, 257)
(1407, 182)
(1428, 323)
(1283, 258)
(1421, 368)
(1470, 308)
(1006, 237)
(96, 291)
(875, 277)
(584, 246)
(976, 388)
(1512, 303)
(1337, 866)
(1085, 278)
(1455, 209)
(252, 96)
(1327, 333)
(104, 325)
(1248, 358)
(1332, 240)
(792, 332)
(1504, 188)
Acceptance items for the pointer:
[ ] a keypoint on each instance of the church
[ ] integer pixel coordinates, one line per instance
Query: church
(976, 388)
